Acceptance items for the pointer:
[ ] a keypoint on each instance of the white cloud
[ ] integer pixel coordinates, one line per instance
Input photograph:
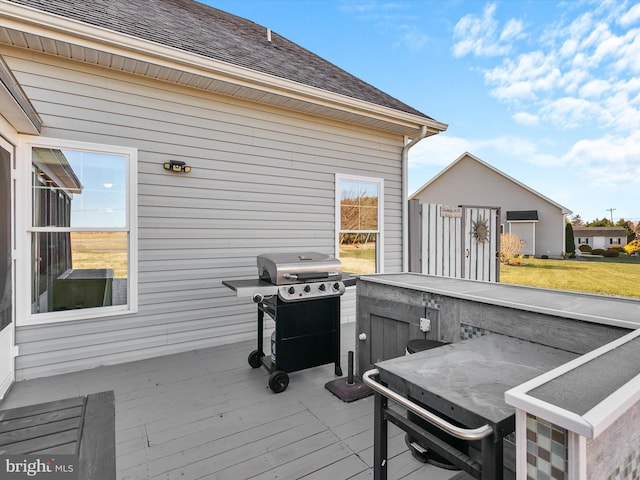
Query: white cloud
(512, 30)
(572, 80)
(518, 148)
(441, 149)
(413, 38)
(623, 113)
(594, 88)
(582, 72)
(627, 54)
(569, 48)
(478, 35)
(527, 119)
(521, 79)
(609, 160)
(570, 112)
(578, 28)
(630, 17)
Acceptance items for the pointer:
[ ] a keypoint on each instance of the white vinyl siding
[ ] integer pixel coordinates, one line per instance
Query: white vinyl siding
(262, 180)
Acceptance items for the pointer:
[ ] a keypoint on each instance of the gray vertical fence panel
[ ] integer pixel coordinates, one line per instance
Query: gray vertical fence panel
(449, 246)
(441, 242)
(415, 236)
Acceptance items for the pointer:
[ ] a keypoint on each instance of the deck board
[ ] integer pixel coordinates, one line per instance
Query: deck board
(207, 414)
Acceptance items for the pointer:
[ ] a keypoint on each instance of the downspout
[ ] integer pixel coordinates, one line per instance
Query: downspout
(405, 195)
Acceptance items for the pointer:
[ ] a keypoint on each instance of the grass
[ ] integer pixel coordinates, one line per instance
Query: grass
(100, 250)
(358, 258)
(618, 276)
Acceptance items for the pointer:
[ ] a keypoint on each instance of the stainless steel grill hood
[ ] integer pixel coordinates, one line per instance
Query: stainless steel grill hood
(293, 268)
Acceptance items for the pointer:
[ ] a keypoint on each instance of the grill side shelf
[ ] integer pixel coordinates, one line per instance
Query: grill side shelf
(250, 287)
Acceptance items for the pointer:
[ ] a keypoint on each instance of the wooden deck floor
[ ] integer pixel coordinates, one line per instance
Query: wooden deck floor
(207, 414)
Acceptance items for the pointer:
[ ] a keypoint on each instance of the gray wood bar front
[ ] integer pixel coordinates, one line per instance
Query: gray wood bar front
(389, 308)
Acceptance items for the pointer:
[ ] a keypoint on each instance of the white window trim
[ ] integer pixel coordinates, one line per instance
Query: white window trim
(339, 178)
(24, 229)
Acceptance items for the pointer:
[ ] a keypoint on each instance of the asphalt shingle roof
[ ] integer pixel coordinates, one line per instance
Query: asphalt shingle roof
(522, 215)
(200, 29)
(599, 232)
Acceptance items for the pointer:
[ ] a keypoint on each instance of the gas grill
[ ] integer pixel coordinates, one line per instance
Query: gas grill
(301, 293)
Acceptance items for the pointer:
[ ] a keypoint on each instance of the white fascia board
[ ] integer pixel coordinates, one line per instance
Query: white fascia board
(39, 23)
(597, 419)
(15, 115)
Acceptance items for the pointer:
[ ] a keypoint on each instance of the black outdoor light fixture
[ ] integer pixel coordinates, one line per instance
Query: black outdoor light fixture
(177, 166)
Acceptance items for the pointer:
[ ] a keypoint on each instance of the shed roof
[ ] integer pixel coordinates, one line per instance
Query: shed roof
(467, 155)
(522, 215)
(198, 29)
(599, 231)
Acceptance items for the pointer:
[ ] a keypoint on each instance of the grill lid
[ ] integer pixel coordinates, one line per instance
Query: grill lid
(291, 268)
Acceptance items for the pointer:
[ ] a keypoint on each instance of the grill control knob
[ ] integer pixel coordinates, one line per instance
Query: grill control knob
(307, 288)
(322, 287)
(336, 286)
(292, 290)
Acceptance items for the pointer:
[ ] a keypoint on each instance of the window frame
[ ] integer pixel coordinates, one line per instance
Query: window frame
(24, 208)
(339, 179)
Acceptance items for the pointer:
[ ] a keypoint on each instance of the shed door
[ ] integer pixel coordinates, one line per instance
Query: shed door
(527, 233)
(481, 234)
(6, 271)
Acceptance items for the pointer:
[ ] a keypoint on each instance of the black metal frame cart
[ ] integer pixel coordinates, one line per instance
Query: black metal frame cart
(307, 334)
(485, 439)
(455, 394)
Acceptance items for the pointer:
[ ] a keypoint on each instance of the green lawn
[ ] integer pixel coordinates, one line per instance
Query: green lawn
(605, 276)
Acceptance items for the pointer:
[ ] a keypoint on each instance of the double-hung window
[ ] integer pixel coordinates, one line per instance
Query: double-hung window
(359, 223)
(82, 230)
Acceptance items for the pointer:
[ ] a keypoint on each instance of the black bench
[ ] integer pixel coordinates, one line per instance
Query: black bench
(81, 426)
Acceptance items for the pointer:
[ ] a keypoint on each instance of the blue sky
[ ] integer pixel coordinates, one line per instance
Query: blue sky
(547, 92)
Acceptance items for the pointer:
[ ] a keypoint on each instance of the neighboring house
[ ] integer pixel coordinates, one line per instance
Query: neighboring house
(469, 181)
(600, 237)
(97, 96)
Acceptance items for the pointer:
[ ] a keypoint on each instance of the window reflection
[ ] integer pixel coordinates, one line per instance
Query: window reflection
(359, 225)
(79, 240)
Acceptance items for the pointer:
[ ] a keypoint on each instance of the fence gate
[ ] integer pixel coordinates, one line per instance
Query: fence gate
(460, 242)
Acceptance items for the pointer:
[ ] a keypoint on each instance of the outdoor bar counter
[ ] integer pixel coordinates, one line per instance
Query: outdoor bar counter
(579, 420)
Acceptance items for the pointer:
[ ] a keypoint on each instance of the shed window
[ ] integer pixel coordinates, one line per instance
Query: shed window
(82, 231)
(359, 207)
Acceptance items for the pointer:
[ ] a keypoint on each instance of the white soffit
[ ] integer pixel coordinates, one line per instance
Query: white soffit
(34, 30)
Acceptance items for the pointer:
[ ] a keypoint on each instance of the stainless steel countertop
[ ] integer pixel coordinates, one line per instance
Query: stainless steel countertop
(473, 374)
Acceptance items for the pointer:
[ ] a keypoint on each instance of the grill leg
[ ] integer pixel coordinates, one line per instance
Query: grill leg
(260, 330)
(336, 338)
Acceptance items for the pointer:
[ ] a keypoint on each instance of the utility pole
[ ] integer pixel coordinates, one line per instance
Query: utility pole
(610, 210)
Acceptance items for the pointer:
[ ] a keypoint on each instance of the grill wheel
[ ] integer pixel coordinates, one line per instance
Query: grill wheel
(255, 359)
(278, 381)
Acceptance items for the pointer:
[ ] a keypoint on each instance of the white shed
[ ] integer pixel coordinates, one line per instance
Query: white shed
(536, 219)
